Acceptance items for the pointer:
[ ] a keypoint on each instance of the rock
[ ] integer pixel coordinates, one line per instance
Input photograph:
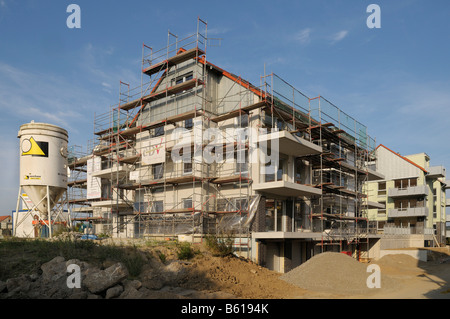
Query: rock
(100, 280)
(2, 286)
(79, 295)
(54, 269)
(114, 292)
(152, 278)
(18, 285)
(54, 280)
(131, 293)
(173, 272)
(136, 284)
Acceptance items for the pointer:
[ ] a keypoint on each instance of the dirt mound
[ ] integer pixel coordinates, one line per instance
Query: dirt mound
(399, 264)
(335, 273)
(331, 272)
(238, 277)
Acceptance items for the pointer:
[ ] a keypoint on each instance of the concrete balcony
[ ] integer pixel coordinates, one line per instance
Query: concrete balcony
(112, 172)
(408, 212)
(421, 190)
(373, 175)
(290, 144)
(373, 205)
(110, 203)
(436, 171)
(283, 188)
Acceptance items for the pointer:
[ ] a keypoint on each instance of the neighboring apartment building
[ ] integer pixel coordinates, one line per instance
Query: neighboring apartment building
(5, 225)
(280, 211)
(413, 193)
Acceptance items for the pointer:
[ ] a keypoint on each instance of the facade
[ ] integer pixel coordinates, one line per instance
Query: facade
(5, 225)
(413, 193)
(289, 187)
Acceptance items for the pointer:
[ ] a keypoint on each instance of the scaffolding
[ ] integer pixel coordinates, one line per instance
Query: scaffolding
(145, 193)
(340, 171)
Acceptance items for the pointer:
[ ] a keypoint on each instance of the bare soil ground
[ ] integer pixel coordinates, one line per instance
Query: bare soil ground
(328, 275)
(402, 276)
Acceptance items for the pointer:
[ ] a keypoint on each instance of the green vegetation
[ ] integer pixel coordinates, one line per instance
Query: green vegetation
(185, 251)
(219, 247)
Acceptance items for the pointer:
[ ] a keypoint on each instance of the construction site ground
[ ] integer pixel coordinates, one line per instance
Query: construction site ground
(329, 275)
(402, 276)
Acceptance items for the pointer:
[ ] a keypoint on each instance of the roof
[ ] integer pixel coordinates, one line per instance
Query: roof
(233, 77)
(404, 158)
(3, 218)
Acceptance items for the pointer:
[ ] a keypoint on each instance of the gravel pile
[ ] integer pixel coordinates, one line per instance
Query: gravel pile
(330, 272)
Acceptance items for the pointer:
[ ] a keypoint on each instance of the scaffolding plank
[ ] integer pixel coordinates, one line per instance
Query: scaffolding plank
(181, 117)
(237, 112)
(130, 159)
(77, 182)
(183, 179)
(131, 105)
(229, 179)
(78, 163)
(176, 59)
(162, 93)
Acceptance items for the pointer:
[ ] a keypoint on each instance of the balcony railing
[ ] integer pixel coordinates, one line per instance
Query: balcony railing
(421, 190)
(436, 171)
(408, 230)
(408, 212)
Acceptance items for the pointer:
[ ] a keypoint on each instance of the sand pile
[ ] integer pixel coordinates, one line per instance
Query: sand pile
(400, 265)
(333, 273)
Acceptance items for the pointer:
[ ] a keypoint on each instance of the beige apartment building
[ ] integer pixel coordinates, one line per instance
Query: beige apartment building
(412, 197)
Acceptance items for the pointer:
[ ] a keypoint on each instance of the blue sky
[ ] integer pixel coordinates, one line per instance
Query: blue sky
(395, 80)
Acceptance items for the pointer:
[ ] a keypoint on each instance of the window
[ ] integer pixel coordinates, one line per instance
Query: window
(274, 213)
(241, 158)
(401, 205)
(241, 204)
(188, 124)
(275, 172)
(157, 206)
(280, 171)
(382, 211)
(187, 168)
(187, 203)
(298, 171)
(381, 188)
(121, 223)
(404, 204)
(280, 124)
(405, 183)
(158, 131)
(158, 171)
(242, 120)
(184, 78)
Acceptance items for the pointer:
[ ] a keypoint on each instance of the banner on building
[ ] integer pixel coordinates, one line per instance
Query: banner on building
(154, 151)
(94, 184)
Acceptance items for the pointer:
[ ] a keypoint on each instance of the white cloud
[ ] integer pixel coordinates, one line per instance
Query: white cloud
(26, 96)
(304, 36)
(339, 36)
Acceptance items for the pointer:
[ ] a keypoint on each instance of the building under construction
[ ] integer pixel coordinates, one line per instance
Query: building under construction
(145, 174)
